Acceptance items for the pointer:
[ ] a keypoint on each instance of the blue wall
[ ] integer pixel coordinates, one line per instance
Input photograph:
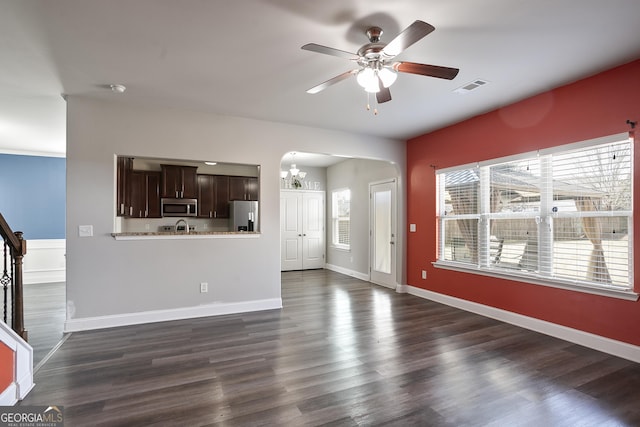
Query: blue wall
(33, 195)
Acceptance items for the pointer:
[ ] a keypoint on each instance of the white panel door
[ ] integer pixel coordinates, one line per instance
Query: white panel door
(290, 231)
(302, 230)
(383, 233)
(313, 230)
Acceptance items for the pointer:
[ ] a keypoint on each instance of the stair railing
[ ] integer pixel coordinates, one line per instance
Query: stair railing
(14, 249)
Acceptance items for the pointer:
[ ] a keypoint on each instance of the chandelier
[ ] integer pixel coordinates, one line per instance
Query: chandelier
(294, 175)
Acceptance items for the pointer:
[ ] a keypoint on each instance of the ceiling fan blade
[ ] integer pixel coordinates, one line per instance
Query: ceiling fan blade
(332, 81)
(384, 95)
(330, 51)
(409, 36)
(426, 70)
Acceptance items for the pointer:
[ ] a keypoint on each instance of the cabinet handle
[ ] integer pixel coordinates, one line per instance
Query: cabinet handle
(130, 210)
(299, 235)
(209, 214)
(121, 208)
(215, 214)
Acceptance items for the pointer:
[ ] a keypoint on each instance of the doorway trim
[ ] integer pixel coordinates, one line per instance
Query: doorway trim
(392, 280)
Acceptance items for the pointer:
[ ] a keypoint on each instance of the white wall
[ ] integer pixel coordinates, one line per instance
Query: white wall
(111, 282)
(357, 174)
(44, 261)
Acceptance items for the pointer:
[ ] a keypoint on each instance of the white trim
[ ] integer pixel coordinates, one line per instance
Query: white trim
(539, 280)
(8, 397)
(126, 319)
(21, 152)
(23, 374)
(44, 276)
(212, 235)
(348, 272)
(394, 231)
(402, 289)
(596, 342)
(45, 261)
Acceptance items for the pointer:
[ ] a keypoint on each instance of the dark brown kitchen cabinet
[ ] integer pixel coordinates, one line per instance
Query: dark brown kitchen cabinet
(243, 188)
(213, 196)
(179, 182)
(123, 201)
(145, 194)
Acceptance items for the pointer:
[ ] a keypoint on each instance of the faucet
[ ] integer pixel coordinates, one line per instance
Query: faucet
(186, 225)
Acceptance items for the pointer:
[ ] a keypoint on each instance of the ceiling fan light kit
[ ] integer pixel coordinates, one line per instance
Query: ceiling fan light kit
(377, 71)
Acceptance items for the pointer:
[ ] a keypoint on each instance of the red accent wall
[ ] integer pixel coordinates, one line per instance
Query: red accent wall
(593, 107)
(7, 367)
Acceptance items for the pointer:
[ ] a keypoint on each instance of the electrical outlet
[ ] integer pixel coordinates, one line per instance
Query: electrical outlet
(204, 287)
(424, 274)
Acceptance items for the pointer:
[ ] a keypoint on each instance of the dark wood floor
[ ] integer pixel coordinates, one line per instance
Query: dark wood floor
(44, 316)
(341, 352)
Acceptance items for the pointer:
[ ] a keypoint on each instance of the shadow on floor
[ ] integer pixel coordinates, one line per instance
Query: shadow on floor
(44, 315)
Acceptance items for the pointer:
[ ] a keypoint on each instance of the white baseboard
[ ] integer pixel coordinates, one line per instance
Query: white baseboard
(596, 342)
(9, 396)
(44, 276)
(45, 261)
(346, 271)
(111, 321)
(23, 374)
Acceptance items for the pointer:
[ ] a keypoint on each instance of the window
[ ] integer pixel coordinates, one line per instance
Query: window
(341, 200)
(562, 215)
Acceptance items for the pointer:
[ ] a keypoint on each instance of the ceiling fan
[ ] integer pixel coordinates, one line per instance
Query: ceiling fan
(377, 70)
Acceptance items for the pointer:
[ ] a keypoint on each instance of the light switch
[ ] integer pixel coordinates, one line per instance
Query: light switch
(412, 228)
(85, 230)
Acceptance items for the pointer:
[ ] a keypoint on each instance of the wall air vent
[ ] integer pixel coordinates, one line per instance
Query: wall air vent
(472, 85)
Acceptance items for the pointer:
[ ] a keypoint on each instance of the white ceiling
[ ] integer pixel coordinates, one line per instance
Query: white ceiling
(243, 58)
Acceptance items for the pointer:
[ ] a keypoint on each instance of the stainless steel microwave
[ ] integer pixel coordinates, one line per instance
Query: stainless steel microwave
(179, 207)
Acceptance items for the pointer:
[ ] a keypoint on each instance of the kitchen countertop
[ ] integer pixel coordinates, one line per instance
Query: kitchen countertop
(174, 235)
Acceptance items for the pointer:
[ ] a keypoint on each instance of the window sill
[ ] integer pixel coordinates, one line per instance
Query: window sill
(560, 284)
(341, 248)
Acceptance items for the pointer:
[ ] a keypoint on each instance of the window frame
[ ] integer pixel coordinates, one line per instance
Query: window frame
(336, 219)
(482, 266)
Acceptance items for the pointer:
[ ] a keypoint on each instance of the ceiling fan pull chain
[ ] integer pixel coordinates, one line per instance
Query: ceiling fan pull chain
(375, 107)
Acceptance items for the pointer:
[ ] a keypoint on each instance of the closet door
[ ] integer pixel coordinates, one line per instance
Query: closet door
(302, 216)
(313, 230)
(290, 231)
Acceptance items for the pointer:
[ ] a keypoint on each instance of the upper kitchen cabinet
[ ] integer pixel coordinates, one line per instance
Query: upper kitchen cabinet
(124, 169)
(145, 194)
(213, 196)
(243, 188)
(179, 182)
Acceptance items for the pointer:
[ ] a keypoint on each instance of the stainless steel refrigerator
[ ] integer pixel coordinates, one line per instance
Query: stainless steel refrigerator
(243, 216)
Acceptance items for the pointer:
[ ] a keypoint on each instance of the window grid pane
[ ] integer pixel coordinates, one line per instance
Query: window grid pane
(564, 215)
(341, 206)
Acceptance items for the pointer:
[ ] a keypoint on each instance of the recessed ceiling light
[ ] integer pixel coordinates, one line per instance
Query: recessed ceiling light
(117, 88)
(211, 163)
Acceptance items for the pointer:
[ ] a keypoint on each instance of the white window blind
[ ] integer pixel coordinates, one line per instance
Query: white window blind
(564, 215)
(341, 208)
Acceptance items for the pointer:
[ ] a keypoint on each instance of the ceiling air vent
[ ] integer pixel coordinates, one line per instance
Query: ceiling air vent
(475, 84)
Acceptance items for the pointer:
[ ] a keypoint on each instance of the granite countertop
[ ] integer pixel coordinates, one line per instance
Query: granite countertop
(150, 235)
